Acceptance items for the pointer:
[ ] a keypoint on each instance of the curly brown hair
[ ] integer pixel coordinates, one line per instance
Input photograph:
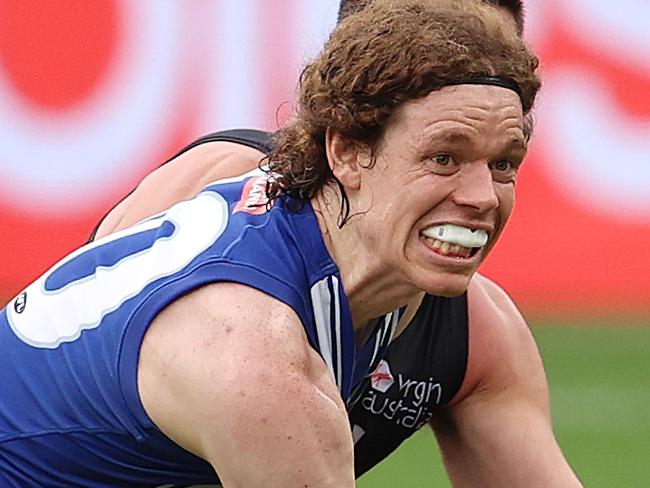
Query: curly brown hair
(514, 7)
(380, 58)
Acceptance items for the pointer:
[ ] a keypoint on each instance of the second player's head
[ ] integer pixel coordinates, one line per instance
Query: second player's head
(514, 8)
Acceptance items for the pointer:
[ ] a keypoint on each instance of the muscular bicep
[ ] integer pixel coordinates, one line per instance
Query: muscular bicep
(180, 179)
(500, 432)
(240, 386)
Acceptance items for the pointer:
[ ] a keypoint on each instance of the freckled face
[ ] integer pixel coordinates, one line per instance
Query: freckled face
(448, 158)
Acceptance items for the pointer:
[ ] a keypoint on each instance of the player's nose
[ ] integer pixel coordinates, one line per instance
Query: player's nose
(476, 188)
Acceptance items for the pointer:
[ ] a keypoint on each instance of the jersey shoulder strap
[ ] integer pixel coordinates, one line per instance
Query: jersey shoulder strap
(257, 139)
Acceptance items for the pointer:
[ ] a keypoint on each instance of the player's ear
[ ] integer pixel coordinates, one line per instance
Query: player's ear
(344, 157)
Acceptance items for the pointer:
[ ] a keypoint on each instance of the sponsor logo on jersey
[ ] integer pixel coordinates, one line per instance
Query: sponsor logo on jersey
(381, 378)
(357, 433)
(21, 302)
(253, 196)
(407, 402)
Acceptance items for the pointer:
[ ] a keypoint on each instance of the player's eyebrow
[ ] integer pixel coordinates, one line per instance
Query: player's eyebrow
(518, 143)
(463, 137)
(453, 136)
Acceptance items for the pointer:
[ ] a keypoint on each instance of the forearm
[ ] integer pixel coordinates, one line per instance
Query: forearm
(498, 431)
(515, 449)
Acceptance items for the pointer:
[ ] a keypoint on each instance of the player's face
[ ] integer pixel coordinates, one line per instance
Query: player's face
(442, 187)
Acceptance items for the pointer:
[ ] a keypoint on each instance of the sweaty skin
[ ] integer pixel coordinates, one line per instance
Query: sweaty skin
(513, 445)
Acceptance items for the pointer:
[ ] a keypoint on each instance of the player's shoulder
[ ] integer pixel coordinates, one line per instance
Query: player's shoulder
(224, 305)
(225, 326)
(225, 361)
(223, 338)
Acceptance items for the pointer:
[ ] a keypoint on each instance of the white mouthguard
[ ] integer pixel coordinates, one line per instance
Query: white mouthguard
(456, 234)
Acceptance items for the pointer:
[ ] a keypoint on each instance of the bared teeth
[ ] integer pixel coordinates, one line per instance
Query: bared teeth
(447, 249)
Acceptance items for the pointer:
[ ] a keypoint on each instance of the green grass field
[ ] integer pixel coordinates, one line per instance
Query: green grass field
(600, 392)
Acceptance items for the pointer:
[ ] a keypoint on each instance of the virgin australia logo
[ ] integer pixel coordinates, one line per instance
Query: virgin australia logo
(381, 378)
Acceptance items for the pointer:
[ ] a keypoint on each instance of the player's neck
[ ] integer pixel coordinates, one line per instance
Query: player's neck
(372, 287)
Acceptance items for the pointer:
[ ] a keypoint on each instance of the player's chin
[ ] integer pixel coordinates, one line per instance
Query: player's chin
(443, 275)
(445, 283)
(455, 286)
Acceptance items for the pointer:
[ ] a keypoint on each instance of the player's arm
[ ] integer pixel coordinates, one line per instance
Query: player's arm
(180, 179)
(228, 374)
(498, 431)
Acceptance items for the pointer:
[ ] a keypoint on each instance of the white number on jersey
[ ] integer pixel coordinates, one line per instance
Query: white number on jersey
(80, 290)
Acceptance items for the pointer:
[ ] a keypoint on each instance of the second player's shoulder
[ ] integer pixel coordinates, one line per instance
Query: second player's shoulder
(205, 163)
(490, 306)
(181, 179)
(502, 350)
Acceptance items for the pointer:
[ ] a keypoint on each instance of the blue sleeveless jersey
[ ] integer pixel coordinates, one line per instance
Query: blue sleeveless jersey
(70, 412)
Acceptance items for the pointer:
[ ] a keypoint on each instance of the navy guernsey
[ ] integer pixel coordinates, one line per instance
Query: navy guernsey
(70, 412)
(421, 370)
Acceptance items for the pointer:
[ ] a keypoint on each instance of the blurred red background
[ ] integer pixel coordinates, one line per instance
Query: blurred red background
(93, 95)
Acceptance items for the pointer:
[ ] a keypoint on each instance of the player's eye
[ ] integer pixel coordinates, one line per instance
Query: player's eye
(502, 165)
(442, 159)
(504, 171)
(443, 164)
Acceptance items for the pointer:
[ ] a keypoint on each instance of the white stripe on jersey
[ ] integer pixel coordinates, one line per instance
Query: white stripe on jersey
(394, 320)
(379, 337)
(385, 335)
(337, 330)
(321, 299)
